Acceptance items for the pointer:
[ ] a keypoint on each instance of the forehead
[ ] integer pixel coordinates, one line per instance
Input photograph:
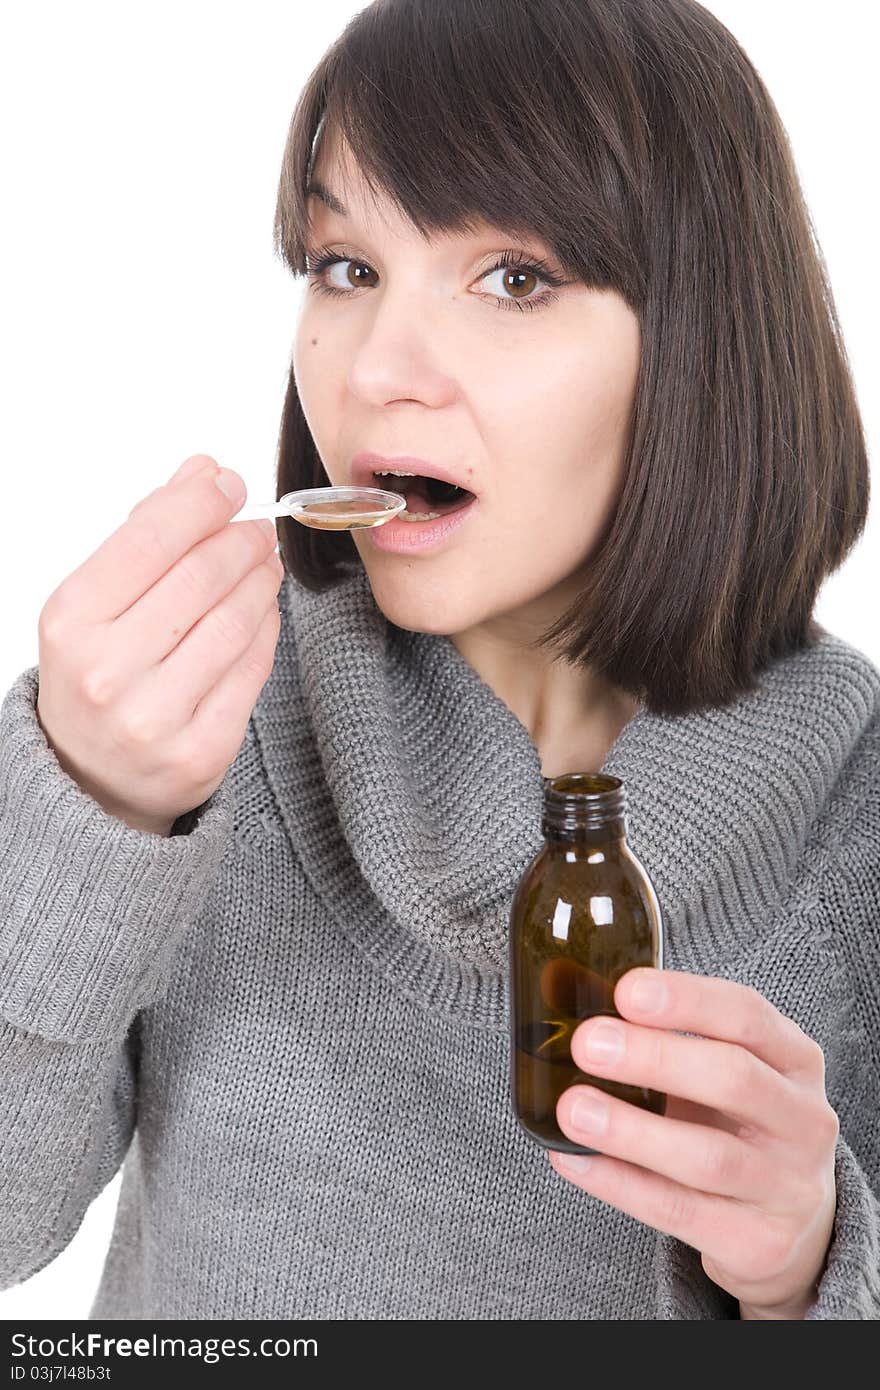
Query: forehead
(335, 182)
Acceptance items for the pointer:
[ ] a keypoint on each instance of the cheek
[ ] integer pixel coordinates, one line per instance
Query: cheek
(311, 361)
(560, 412)
(306, 356)
(560, 448)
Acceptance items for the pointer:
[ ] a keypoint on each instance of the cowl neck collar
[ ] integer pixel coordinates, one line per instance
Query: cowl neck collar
(412, 794)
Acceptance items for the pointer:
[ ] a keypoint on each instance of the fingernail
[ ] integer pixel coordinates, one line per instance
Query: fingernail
(589, 1112)
(573, 1165)
(230, 484)
(194, 464)
(604, 1041)
(648, 994)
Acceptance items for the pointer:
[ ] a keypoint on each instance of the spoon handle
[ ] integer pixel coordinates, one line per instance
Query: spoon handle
(255, 510)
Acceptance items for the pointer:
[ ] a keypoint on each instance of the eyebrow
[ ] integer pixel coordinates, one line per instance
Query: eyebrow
(318, 190)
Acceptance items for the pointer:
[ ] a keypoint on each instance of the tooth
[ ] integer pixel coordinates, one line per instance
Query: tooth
(418, 516)
(391, 473)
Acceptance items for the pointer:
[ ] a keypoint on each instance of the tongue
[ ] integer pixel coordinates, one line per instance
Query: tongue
(416, 494)
(418, 498)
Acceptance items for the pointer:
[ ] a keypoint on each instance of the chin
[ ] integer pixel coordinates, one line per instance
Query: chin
(412, 602)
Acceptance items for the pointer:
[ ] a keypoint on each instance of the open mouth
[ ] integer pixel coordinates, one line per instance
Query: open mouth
(426, 498)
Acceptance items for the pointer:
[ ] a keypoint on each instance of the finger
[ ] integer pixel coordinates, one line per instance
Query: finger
(716, 1226)
(712, 1073)
(694, 1155)
(212, 572)
(160, 529)
(679, 1109)
(718, 1008)
(223, 713)
(194, 464)
(214, 645)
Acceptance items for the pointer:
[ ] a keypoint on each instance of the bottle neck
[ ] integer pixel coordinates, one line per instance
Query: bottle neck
(584, 809)
(613, 834)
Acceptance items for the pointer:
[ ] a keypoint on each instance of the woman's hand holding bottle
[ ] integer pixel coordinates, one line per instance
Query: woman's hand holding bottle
(742, 1165)
(152, 653)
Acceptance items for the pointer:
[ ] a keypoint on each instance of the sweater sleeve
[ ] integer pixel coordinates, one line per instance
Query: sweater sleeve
(92, 913)
(850, 1284)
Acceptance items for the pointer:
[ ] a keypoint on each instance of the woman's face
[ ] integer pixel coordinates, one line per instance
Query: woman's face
(527, 408)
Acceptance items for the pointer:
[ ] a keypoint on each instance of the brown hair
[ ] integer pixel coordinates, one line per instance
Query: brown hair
(636, 138)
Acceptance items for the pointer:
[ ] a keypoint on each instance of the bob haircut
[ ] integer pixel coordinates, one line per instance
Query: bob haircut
(636, 138)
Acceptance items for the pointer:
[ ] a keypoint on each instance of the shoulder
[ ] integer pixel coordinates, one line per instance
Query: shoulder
(844, 685)
(849, 828)
(829, 696)
(850, 682)
(831, 672)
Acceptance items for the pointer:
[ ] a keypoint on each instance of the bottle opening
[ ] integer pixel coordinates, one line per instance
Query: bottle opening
(583, 800)
(584, 783)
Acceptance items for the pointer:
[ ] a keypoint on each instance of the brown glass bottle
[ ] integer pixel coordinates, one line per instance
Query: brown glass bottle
(584, 912)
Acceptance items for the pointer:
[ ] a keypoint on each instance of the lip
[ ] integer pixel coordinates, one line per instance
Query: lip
(363, 464)
(409, 537)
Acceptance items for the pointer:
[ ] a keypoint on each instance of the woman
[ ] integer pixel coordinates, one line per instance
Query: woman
(562, 288)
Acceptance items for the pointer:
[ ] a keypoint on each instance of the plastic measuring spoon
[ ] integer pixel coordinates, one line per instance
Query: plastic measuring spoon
(330, 508)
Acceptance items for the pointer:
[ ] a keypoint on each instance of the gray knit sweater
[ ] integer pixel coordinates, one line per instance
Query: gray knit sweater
(289, 1018)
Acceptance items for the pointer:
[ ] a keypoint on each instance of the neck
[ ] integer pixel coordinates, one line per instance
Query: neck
(571, 714)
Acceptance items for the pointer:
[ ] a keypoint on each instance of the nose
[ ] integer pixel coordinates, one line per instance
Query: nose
(400, 351)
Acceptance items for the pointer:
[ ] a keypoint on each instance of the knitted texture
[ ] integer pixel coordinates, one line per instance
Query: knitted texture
(289, 1019)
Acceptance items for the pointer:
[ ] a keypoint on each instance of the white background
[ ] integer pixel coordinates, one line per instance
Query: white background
(145, 319)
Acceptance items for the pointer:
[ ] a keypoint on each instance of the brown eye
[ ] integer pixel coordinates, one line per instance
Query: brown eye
(519, 282)
(356, 276)
(516, 279)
